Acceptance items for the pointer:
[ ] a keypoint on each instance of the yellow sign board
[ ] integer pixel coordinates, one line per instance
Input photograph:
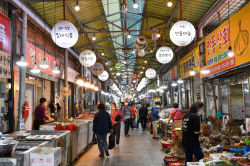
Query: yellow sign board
(218, 42)
(191, 62)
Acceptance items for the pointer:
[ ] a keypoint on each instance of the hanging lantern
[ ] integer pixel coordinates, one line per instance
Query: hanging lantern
(164, 55)
(60, 34)
(134, 76)
(124, 88)
(122, 82)
(104, 76)
(182, 33)
(131, 90)
(97, 69)
(87, 58)
(132, 85)
(118, 66)
(150, 73)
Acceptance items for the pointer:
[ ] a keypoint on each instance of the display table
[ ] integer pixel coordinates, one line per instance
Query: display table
(165, 129)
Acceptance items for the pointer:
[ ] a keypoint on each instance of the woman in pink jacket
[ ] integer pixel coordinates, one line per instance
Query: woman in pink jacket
(116, 118)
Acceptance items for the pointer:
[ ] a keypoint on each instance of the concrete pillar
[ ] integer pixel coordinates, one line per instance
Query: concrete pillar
(179, 85)
(20, 125)
(81, 90)
(66, 104)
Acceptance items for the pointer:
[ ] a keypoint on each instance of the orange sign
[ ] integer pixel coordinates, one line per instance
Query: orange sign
(218, 42)
(35, 54)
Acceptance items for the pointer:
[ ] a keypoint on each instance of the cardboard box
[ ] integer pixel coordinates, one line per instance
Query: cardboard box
(46, 156)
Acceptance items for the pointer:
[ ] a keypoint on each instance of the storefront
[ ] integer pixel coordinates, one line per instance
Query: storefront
(38, 85)
(228, 81)
(189, 72)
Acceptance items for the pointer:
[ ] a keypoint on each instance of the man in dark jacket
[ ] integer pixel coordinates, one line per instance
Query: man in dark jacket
(102, 125)
(143, 114)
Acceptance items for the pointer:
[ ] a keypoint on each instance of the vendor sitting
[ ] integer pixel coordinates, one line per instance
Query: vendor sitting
(40, 115)
(175, 114)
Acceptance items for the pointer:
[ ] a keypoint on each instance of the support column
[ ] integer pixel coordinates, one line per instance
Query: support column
(20, 125)
(66, 102)
(81, 91)
(178, 77)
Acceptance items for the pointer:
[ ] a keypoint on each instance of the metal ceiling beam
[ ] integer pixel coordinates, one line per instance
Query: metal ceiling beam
(82, 28)
(37, 20)
(168, 23)
(217, 6)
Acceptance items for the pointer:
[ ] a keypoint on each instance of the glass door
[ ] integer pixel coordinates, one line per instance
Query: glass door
(237, 102)
(224, 99)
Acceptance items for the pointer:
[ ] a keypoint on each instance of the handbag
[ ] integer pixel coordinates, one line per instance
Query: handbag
(94, 140)
(111, 141)
(117, 118)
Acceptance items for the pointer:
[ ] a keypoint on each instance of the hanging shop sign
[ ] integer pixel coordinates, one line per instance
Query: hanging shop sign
(182, 33)
(134, 76)
(104, 76)
(110, 82)
(145, 81)
(118, 66)
(71, 75)
(170, 75)
(5, 40)
(150, 73)
(36, 55)
(191, 62)
(97, 69)
(164, 55)
(148, 95)
(218, 42)
(87, 58)
(64, 34)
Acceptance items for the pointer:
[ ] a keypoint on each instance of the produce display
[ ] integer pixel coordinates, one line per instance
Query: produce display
(220, 148)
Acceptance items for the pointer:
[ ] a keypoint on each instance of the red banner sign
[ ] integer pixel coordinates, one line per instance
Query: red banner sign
(35, 54)
(221, 66)
(5, 44)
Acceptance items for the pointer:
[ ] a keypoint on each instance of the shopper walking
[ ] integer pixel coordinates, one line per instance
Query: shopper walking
(116, 118)
(191, 131)
(102, 125)
(143, 115)
(126, 117)
(175, 114)
(134, 115)
(154, 117)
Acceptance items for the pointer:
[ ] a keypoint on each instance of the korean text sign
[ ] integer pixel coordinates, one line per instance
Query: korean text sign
(191, 62)
(5, 44)
(35, 54)
(218, 42)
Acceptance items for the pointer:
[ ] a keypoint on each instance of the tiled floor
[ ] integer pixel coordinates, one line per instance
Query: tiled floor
(137, 150)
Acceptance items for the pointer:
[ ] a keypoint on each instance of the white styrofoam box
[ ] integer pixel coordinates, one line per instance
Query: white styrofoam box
(46, 156)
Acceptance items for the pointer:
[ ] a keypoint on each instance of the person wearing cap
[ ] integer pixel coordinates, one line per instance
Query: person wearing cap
(154, 117)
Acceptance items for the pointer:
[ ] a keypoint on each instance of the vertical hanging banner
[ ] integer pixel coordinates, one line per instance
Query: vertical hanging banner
(5, 47)
(218, 42)
(191, 62)
(71, 75)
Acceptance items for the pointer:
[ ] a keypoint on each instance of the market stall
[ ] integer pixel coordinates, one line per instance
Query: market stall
(16, 147)
(221, 145)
